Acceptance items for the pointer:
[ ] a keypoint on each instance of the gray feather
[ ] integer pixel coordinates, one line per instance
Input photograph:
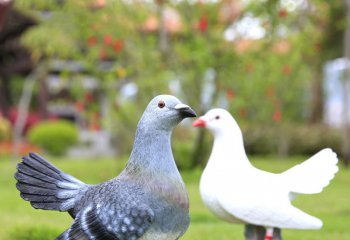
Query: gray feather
(42, 184)
(147, 200)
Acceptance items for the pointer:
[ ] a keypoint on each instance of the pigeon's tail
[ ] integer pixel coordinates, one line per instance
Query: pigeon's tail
(314, 174)
(45, 186)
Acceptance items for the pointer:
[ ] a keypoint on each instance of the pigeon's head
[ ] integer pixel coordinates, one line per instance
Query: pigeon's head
(218, 121)
(165, 112)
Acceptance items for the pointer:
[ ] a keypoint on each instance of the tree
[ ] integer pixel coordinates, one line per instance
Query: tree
(346, 80)
(14, 59)
(180, 47)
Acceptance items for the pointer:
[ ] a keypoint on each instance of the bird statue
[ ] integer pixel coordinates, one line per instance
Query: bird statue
(235, 191)
(148, 200)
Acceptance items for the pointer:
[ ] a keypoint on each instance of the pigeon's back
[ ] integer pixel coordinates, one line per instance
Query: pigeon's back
(121, 209)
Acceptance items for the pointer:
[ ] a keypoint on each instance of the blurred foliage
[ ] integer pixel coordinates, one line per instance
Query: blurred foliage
(289, 139)
(5, 129)
(260, 81)
(55, 137)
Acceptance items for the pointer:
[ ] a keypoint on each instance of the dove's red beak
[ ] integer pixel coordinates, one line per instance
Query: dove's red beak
(199, 123)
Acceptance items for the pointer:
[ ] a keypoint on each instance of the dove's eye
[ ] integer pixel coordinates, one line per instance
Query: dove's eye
(161, 104)
(217, 117)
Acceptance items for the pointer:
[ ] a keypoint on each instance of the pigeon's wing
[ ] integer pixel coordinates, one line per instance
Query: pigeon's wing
(312, 175)
(109, 223)
(266, 211)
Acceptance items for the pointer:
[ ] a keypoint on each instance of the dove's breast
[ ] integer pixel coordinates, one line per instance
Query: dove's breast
(209, 187)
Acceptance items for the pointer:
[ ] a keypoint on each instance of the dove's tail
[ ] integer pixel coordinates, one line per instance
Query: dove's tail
(45, 186)
(314, 174)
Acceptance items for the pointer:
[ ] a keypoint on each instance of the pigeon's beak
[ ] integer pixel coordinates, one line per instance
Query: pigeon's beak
(185, 110)
(199, 123)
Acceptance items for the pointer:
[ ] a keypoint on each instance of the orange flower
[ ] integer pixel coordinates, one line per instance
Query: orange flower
(270, 92)
(286, 70)
(118, 45)
(249, 67)
(243, 112)
(107, 39)
(230, 94)
(282, 13)
(277, 116)
(92, 40)
(203, 24)
(103, 54)
(79, 106)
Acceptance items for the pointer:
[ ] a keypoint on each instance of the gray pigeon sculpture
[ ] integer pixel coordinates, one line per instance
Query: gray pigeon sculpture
(147, 201)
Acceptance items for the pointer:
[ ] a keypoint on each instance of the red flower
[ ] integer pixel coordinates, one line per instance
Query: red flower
(203, 24)
(249, 67)
(270, 92)
(94, 26)
(277, 116)
(282, 13)
(92, 40)
(286, 70)
(230, 94)
(89, 97)
(79, 106)
(118, 45)
(103, 54)
(7, 148)
(318, 47)
(107, 39)
(243, 113)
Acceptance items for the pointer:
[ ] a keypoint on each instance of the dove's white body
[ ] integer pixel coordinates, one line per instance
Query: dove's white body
(238, 192)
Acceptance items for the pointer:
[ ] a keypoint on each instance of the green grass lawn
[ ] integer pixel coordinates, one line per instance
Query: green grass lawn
(18, 220)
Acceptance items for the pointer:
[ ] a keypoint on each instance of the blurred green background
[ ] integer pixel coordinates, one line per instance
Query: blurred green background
(75, 77)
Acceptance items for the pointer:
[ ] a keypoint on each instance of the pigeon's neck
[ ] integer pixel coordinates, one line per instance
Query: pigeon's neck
(152, 155)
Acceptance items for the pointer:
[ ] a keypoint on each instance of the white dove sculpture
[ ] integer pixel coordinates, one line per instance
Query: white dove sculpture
(234, 190)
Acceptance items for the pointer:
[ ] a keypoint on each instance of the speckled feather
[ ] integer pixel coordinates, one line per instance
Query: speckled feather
(147, 201)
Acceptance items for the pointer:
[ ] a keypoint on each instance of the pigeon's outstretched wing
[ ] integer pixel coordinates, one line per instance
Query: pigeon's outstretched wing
(312, 175)
(45, 186)
(270, 214)
(109, 223)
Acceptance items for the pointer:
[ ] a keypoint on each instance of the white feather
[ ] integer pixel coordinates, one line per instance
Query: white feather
(238, 192)
(314, 174)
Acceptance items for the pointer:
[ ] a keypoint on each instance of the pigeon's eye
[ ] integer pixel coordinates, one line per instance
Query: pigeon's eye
(161, 104)
(217, 117)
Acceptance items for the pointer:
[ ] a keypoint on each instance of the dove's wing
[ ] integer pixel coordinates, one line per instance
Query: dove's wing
(267, 211)
(312, 175)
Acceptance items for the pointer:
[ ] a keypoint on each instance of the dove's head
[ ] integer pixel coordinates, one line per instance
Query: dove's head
(218, 121)
(165, 112)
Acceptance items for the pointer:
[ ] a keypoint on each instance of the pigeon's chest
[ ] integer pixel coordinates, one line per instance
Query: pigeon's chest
(171, 208)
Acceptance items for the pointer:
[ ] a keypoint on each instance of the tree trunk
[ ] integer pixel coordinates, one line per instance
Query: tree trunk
(346, 85)
(43, 98)
(316, 114)
(4, 96)
(163, 36)
(5, 7)
(199, 152)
